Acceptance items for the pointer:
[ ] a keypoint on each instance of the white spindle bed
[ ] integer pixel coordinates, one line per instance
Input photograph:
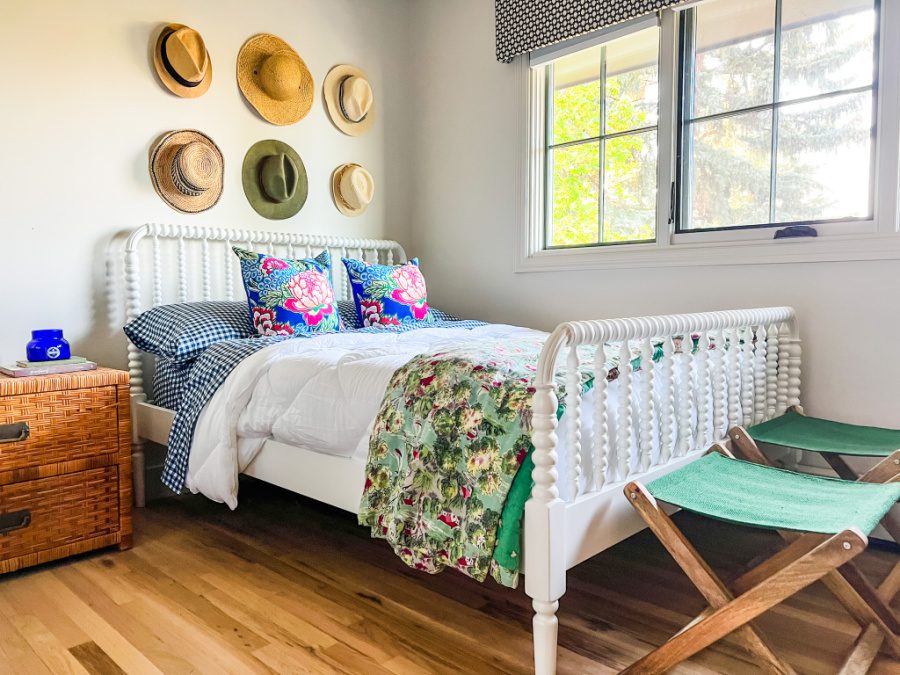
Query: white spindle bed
(746, 370)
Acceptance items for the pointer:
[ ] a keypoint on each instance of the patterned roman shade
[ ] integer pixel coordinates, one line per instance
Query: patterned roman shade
(525, 25)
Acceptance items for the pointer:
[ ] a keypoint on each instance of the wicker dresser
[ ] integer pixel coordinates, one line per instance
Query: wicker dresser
(65, 466)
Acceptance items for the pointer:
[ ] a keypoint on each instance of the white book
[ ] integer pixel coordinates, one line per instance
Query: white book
(15, 371)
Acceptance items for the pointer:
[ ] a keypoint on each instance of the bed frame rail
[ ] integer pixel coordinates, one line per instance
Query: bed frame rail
(744, 369)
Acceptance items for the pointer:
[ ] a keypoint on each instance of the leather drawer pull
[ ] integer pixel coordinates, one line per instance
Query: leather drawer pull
(14, 433)
(15, 520)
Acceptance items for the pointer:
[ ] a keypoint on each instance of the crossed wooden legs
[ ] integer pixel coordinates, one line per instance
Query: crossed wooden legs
(806, 559)
(869, 606)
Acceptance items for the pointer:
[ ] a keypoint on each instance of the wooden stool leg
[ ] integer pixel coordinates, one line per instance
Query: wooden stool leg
(703, 577)
(745, 447)
(784, 583)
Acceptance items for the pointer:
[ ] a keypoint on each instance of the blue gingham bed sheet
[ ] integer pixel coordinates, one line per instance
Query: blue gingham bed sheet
(212, 368)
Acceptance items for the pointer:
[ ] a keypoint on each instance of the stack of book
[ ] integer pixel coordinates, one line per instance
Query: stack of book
(28, 368)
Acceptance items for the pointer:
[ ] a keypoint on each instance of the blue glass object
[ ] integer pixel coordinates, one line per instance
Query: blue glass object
(47, 345)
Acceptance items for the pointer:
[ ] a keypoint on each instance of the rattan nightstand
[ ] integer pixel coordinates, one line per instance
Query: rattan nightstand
(65, 466)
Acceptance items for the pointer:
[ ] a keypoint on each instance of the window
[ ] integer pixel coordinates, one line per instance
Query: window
(778, 112)
(603, 105)
(716, 123)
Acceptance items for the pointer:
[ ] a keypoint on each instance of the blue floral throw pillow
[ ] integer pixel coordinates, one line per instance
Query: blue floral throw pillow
(289, 297)
(388, 295)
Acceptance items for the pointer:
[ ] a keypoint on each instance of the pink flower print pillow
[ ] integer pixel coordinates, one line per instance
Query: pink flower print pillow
(388, 295)
(289, 297)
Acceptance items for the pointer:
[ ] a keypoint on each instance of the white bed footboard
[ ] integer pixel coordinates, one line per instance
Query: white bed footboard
(744, 369)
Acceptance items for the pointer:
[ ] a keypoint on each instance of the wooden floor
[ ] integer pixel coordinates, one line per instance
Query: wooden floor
(287, 585)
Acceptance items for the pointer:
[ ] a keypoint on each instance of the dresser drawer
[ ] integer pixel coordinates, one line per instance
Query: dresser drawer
(61, 426)
(38, 515)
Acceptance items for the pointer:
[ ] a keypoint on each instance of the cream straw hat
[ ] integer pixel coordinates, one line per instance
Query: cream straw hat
(274, 79)
(349, 99)
(186, 169)
(352, 189)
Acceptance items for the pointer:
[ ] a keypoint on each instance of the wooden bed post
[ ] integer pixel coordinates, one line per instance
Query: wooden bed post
(135, 367)
(545, 563)
(545, 513)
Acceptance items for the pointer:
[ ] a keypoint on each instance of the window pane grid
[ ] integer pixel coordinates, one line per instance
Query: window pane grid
(601, 168)
(687, 149)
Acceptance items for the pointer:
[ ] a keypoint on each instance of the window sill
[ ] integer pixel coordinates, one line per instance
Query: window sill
(832, 248)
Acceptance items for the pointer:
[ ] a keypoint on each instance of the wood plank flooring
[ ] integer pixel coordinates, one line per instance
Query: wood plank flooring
(287, 585)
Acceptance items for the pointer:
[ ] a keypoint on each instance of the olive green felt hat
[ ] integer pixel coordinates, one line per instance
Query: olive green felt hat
(275, 180)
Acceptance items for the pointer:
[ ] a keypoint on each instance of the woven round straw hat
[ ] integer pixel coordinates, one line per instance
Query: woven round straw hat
(182, 61)
(352, 189)
(186, 169)
(274, 179)
(349, 99)
(274, 79)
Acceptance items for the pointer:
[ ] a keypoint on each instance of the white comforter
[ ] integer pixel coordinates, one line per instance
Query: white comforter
(322, 394)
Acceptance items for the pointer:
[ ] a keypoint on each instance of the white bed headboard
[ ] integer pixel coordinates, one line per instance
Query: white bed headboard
(196, 263)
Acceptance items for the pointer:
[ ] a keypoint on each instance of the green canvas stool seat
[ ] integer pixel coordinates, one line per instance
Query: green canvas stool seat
(824, 521)
(833, 441)
(795, 430)
(761, 496)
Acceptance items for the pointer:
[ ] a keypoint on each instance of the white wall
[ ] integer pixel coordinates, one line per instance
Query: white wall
(464, 228)
(81, 106)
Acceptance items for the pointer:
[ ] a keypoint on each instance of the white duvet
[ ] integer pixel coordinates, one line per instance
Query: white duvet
(322, 394)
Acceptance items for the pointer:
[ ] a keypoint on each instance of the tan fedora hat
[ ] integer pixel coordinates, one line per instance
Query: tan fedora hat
(274, 179)
(352, 189)
(182, 61)
(274, 79)
(186, 168)
(349, 99)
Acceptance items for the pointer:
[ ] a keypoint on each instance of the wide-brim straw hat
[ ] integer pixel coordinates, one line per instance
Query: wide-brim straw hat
(186, 168)
(182, 61)
(349, 99)
(275, 180)
(352, 188)
(274, 79)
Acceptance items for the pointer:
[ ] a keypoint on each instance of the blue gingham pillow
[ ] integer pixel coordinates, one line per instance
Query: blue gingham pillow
(183, 331)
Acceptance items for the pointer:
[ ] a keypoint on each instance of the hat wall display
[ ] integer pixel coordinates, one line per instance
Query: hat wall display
(352, 189)
(182, 61)
(186, 169)
(274, 179)
(349, 99)
(274, 79)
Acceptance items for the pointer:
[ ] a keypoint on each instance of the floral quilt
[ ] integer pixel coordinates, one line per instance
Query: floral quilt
(451, 434)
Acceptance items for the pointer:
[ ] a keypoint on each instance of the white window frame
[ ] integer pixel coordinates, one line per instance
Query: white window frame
(870, 239)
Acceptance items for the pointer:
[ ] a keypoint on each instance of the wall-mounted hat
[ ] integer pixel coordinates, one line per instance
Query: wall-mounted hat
(181, 61)
(274, 179)
(349, 99)
(186, 169)
(274, 79)
(352, 189)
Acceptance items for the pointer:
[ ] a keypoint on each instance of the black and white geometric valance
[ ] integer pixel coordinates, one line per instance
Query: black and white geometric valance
(526, 25)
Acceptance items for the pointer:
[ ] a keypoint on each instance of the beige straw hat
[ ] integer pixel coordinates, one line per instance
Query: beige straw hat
(181, 61)
(186, 169)
(349, 99)
(352, 189)
(274, 79)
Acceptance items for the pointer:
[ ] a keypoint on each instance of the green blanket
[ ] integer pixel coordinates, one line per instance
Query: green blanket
(445, 453)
